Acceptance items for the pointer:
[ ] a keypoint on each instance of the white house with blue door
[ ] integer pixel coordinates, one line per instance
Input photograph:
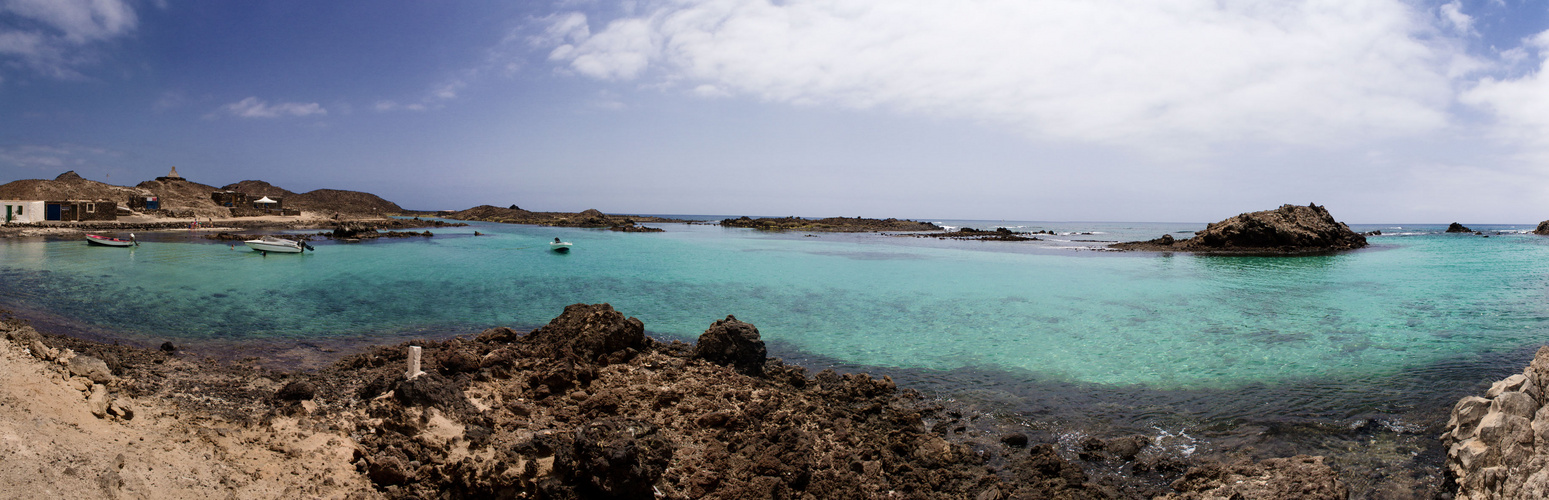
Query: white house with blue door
(21, 211)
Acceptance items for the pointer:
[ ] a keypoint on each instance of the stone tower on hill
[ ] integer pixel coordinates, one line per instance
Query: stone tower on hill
(173, 176)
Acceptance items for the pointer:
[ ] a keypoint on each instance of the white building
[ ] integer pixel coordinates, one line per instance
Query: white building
(21, 211)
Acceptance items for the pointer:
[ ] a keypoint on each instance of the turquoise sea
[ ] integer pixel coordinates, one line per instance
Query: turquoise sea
(1055, 331)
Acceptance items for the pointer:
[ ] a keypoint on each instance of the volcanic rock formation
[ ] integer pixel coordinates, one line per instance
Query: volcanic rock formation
(1498, 445)
(1290, 229)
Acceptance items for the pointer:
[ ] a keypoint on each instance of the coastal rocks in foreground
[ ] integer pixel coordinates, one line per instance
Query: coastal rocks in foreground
(1498, 445)
(1300, 477)
(590, 218)
(831, 224)
(1288, 230)
(588, 406)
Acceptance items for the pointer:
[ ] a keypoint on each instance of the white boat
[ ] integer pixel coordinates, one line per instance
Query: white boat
(559, 246)
(110, 242)
(273, 244)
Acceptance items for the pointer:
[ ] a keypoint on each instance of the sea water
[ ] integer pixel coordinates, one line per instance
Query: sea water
(1414, 321)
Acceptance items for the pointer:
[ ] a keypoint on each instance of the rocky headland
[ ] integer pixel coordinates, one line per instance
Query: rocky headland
(1288, 230)
(586, 406)
(1498, 444)
(1542, 229)
(831, 224)
(590, 218)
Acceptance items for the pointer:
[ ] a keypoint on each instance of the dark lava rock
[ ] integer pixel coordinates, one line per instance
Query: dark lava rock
(430, 389)
(388, 470)
(614, 458)
(733, 343)
(298, 390)
(499, 334)
(452, 362)
(1290, 229)
(1125, 448)
(588, 332)
(1300, 476)
(168, 347)
(1542, 229)
(1459, 228)
(1015, 440)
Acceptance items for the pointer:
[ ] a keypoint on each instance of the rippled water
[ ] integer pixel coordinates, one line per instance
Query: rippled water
(1409, 323)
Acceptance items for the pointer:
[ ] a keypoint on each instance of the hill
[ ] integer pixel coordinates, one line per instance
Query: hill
(258, 188)
(69, 186)
(184, 198)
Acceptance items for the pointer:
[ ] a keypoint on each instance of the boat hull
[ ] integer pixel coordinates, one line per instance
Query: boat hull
(560, 247)
(263, 246)
(107, 242)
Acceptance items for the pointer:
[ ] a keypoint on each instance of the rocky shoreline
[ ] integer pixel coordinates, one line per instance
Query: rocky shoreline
(1498, 444)
(588, 406)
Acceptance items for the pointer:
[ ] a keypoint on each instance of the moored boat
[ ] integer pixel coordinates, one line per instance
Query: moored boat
(559, 246)
(281, 245)
(110, 241)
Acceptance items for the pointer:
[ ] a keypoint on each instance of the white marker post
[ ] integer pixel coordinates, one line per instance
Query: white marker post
(414, 363)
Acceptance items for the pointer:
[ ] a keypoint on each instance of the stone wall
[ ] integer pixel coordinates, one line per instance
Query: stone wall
(1498, 445)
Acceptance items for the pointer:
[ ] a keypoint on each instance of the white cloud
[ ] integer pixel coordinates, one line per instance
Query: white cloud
(1146, 73)
(54, 37)
(1520, 104)
(1453, 13)
(254, 107)
(54, 159)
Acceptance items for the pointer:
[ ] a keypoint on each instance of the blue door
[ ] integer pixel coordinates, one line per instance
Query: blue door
(51, 212)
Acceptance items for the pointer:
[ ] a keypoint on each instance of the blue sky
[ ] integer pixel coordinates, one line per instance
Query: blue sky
(1138, 110)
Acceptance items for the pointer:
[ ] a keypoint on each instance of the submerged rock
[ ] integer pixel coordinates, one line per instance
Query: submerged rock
(1290, 229)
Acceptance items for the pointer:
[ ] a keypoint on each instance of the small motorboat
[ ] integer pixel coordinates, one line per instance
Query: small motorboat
(111, 242)
(281, 245)
(560, 246)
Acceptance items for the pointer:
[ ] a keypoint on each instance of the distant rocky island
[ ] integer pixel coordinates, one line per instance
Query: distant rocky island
(831, 224)
(1288, 230)
(590, 218)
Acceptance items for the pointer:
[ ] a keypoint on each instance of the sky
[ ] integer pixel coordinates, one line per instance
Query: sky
(1384, 111)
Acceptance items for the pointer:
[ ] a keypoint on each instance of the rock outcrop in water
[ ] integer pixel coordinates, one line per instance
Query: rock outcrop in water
(831, 224)
(590, 218)
(1288, 230)
(1542, 229)
(1498, 445)
(1458, 228)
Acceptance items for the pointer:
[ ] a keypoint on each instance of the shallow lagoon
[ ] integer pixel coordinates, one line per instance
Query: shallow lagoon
(1138, 339)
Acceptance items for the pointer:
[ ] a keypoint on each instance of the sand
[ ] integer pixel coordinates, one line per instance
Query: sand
(53, 446)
